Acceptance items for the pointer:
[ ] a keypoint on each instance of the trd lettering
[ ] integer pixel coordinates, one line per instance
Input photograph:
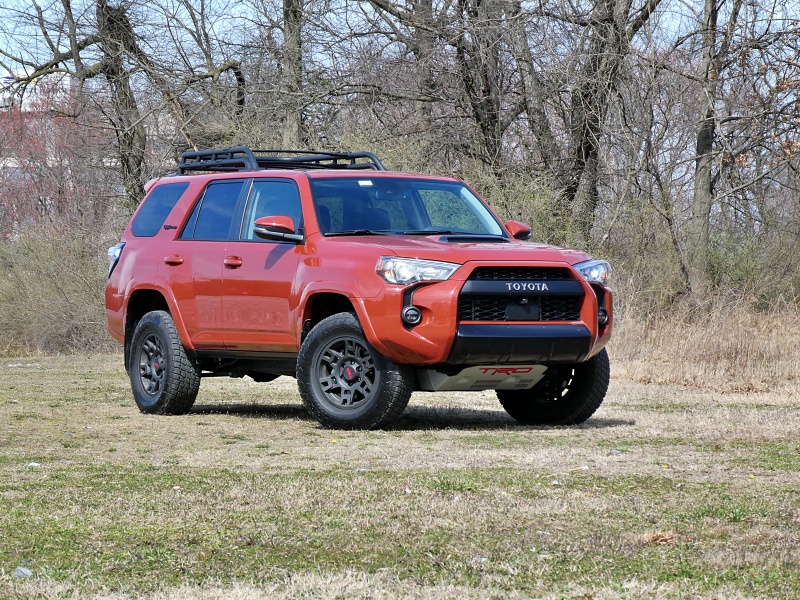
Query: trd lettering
(506, 370)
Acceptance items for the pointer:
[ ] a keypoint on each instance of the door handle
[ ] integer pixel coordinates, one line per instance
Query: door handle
(232, 262)
(173, 259)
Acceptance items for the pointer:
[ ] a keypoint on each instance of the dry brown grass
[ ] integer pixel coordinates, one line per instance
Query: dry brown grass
(730, 348)
(380, 586)
(51, 291)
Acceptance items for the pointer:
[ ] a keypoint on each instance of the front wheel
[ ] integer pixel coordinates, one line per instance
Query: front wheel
(164, 379)
(566, 395)
(344, 382)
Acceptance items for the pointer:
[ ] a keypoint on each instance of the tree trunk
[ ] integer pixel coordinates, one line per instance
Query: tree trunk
(549, 153)
(115, 30)
(703, 198)
(292, 72)
(424, 41)
(607, 47)
(477, 53)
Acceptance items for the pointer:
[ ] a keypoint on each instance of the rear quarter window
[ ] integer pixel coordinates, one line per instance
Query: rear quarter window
(156, 208)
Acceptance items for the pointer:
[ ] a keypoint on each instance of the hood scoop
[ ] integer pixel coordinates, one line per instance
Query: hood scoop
(474, 238)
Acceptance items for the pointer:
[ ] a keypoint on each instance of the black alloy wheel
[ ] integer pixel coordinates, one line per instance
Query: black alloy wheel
(344, 382)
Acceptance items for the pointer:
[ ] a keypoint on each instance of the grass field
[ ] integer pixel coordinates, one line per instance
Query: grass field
(671, 490)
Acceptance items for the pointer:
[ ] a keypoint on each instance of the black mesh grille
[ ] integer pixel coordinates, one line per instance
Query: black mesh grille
(561, 308)
(493, 308)
(521, 273)
(482, 309)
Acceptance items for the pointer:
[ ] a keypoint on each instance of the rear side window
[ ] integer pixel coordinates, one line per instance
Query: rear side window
(213, 216)
(156, 209)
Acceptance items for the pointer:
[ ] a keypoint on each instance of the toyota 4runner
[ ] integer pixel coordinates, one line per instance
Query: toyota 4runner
(364, 284)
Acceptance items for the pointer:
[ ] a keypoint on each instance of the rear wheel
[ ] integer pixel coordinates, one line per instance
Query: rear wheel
(164, 379)
(347, 384)
(566, 395)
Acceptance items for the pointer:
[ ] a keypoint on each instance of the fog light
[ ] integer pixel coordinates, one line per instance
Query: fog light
(602, 317)
(411, 315)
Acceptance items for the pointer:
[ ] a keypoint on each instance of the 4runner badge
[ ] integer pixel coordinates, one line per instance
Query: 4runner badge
(527, 287)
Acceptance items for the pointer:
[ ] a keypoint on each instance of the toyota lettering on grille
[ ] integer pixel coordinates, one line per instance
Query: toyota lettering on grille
(527, 287)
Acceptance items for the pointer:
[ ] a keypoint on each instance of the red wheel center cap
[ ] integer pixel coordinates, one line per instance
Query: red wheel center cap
(349, 373)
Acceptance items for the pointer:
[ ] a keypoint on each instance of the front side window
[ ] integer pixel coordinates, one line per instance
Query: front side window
(213, 217)
(400, 205)
(271, 198)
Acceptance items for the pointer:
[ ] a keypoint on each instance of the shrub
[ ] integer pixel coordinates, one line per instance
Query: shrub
(51, 292)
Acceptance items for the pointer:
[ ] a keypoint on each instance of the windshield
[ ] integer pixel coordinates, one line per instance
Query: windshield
(399, 205)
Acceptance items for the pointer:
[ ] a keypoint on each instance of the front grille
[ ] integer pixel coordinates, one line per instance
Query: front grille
(521, 273)
(493, 308)
(481, 304)
(482, 309)
(561, 308)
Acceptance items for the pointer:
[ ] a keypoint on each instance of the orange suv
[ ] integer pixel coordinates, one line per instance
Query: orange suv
(364, 284)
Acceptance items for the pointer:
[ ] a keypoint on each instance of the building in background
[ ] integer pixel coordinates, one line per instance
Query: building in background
(46, 93)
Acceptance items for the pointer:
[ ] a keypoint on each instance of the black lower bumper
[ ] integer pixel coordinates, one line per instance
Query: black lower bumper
(521, 344)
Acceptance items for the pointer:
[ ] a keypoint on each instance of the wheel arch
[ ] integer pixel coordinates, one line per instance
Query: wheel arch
(144, 300)
(323, 304)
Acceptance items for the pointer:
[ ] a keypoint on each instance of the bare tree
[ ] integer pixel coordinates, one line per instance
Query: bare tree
(648, 126)
(108, 47)
(716, 46)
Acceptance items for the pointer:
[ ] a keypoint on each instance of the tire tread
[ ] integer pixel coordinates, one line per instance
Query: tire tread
(597, 373)
(183, 383)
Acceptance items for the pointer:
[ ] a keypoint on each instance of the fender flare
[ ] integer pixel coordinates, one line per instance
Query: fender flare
(339, 288)
(160, 286)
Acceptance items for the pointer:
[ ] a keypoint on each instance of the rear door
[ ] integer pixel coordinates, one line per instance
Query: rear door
(260, 302)
(196, 259)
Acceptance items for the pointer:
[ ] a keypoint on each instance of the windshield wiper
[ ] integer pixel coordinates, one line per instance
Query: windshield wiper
(460, 234)
(431, 232)
(359, 232)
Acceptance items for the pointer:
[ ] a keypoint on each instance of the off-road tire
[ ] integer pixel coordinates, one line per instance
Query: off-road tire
(567, 395)
(344, 382)
(163, 377)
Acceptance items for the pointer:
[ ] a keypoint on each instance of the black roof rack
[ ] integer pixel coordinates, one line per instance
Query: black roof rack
(242, 158)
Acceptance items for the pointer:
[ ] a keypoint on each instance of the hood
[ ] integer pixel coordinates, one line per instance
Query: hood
(454, 249)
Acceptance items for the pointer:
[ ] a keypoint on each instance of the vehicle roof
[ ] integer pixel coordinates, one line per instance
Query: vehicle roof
(296, 174)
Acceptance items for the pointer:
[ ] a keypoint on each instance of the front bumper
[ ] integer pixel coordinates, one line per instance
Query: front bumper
(499, 344)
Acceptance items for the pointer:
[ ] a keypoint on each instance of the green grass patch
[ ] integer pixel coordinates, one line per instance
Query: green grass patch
(136, 503)
(121, 527)
(773, 455)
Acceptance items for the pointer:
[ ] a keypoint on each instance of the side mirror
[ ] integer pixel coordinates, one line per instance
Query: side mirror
(519, 231)
(277, 228)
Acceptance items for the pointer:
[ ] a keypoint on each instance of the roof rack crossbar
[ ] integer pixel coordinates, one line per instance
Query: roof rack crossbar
(242, 158)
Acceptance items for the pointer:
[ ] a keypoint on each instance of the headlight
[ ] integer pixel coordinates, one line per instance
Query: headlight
(113, 256)
(405, 271)
(594, 271)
